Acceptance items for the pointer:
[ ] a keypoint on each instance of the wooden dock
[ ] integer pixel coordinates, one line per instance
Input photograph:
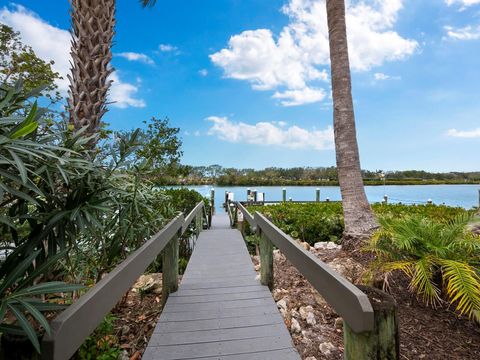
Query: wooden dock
(220, 310)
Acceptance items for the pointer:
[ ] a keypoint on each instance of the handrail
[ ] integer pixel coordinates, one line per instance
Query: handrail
(347, 300)
(197, 209)
(246, 215)
(71, 327)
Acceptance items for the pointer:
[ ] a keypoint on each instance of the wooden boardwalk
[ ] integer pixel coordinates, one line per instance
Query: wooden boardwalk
(220, 310)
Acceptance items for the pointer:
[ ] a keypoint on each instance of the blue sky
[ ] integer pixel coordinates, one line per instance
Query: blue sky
(248, 81)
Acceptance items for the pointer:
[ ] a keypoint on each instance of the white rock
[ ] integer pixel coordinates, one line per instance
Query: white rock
(282, 304)
(347, 267)
(326, 245)
(295, 327)
(311, 358)
(326, 348)
(311, 319)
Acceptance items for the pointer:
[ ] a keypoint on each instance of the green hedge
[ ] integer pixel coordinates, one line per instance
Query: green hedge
(313, 222)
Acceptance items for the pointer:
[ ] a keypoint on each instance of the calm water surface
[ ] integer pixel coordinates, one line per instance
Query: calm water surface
(465, 196)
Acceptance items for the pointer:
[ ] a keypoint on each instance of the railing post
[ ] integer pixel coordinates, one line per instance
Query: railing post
(383, 341)
(266, 260)
(198, 223)
(170, 267)
(317, 193)
(212, 201)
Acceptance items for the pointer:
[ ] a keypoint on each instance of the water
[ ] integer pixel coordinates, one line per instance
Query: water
(453, 195)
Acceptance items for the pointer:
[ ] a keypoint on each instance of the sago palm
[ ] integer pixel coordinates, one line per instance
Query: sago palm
(439, 258)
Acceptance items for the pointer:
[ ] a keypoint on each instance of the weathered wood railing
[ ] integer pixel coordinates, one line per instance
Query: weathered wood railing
(370, 327)
(79, 320)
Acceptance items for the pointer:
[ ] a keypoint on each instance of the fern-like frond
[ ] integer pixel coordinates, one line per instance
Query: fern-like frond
(462, 286)
(422, 281)
(407, 267)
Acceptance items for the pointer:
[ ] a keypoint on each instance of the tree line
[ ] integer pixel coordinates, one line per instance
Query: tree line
(226, 176)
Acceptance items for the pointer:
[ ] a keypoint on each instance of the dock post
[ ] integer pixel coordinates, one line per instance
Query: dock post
(170, 268)
(248, 194)
(317, 193)
(385, 199)
(212, 200)
(254, 195)
(429, 202)
(266, 260)
(284, 194)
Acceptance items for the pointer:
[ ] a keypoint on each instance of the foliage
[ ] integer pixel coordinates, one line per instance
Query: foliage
(310, 222)
(101, 345)
(438, 257)
(313, 222)
(19, 61)
(59, 200)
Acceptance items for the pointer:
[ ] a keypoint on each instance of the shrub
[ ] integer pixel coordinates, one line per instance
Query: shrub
(441, 259)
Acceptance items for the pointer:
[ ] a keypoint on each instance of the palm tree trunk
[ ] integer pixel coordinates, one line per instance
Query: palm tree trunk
(359, 218)
(93, 23)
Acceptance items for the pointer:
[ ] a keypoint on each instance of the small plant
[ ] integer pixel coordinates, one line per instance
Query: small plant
(441, 259)
(102, 344)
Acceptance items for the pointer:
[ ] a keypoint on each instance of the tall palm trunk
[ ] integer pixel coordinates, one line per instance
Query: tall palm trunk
(93, 23)
(359, 218)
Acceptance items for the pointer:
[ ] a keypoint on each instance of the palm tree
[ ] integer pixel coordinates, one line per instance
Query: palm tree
(93, 29)
(359, 218)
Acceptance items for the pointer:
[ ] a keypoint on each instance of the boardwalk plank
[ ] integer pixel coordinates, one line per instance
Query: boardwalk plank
(220, 310)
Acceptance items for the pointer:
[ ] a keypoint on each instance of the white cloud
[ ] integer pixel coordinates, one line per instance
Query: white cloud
(466, 33)
(299, 97)
(133, 56)
(475, 133)
(268, 133)
(297, 57)
(167, 48)
(382, 76)
(464, 3)
(52, 43)
(203, 72)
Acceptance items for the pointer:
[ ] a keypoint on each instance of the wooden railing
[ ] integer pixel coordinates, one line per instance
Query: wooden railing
(347, 300)
(79, 320)
(370, 321)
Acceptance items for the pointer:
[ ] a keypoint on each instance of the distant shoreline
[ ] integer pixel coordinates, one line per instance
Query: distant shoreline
(325, 183)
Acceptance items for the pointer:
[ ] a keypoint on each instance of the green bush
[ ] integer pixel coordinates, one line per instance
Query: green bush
(441, 259)
(314, 222)
(102, 344)
(308, 222)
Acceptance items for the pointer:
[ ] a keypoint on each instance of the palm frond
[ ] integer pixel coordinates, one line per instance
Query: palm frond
(462, 286)
(422, 281)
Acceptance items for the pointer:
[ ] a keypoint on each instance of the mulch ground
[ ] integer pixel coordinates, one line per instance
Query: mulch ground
(136, 318)
(425, 333)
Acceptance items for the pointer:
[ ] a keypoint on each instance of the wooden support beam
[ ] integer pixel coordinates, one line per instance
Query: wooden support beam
(382, 343)
(170, 268)
(266, 261)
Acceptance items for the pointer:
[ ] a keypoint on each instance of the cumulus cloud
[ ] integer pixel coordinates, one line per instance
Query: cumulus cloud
(203, 72)
(465, 33)
(382, 77)
(295, 60)
(306, 95)
(52, 43)
(269, 133)
(467, 134)
(133, 56)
